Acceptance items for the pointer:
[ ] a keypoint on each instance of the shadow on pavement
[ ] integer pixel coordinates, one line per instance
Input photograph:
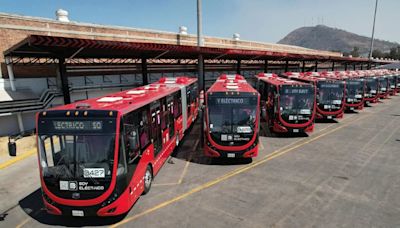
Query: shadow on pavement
(326, 121)
(33, 207)
(351, 111)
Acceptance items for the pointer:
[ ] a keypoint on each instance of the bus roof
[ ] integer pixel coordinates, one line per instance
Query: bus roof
(310, 77)
(231, 83)
(278, 81)
(129, 100)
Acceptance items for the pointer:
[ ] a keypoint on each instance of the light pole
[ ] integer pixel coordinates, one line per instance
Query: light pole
(373, 33)
(200, 70)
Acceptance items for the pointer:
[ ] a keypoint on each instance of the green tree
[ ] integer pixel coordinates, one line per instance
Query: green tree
(355, 52)
(378, 54)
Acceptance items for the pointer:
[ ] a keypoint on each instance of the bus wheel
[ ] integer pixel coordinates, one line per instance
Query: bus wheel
(148, 179)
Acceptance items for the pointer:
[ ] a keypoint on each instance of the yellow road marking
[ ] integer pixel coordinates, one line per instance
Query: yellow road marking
(235, 172)
(184, 169)
(17, 159)
(23, 223)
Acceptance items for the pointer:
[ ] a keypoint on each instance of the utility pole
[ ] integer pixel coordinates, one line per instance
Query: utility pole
(373, 33)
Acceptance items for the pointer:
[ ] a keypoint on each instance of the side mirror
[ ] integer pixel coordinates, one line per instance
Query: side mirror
(12, 148)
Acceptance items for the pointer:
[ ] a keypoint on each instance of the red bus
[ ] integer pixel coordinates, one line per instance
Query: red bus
(231, 118)
(97, 156)
(330, 93)
(383, 91)
(392, 83)
(371, 94)
(355, 87)
(287, 105)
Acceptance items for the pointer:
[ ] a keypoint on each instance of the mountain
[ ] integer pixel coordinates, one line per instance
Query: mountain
(322, 37)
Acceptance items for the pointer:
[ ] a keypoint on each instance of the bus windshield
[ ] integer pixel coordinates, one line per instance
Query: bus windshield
(371, 86)
(296, 103)
(68, 156)
(330, 93)
(232, 119)
(383, 84)
(354, 90)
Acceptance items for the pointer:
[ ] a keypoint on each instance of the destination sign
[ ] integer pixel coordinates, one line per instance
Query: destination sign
(296, 91)
(329, 86)
(78, 125)
(232, 100)
(353, 82)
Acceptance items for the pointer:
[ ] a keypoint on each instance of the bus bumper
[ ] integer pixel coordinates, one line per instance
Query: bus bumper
(209, 152)
(281, 129)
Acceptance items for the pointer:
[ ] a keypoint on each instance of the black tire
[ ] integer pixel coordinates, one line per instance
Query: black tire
(147, 179)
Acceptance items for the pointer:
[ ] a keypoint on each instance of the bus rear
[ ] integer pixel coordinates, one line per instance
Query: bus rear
(232, 119)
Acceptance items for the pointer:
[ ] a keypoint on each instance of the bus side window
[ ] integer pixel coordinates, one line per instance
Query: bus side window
(170, 115)
(164, 114)
(131, 137)
(144, 129)
(177, 104)
(188, 92)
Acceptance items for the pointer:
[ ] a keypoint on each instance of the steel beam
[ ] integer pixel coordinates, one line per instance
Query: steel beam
(316, 66)
(333, 65)
(303, 67)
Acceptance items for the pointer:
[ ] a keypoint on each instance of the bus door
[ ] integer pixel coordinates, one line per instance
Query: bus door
(170, 116)
(155, 111)
(272, 103)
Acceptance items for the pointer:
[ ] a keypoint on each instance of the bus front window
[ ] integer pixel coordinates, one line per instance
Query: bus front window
(231, 121)
(330, 94)
(354, 90)
(296, 103)
(76, 156)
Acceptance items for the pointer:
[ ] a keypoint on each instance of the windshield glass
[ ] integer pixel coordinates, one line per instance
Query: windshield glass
(383, 83)
(354, 90)
(371, 86)
(296, 103)
(330, 94)
(231, 120)
(392, 81)
(74, 156)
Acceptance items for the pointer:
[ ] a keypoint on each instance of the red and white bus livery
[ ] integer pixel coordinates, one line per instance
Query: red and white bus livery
(330, 93)
(355, 89)
(371, 87)
(392, 78)
(231, 118)
(287, 105)
(97, 156)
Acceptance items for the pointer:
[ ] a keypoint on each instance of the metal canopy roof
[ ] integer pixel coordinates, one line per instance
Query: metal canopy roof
(40, 46)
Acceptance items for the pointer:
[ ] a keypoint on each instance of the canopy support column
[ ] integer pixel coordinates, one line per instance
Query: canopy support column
(238, 65)
(10, 71)
(266, 66)
(145, 78)
(64, 80)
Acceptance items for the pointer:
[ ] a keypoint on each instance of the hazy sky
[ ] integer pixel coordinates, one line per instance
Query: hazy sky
(261, 20)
